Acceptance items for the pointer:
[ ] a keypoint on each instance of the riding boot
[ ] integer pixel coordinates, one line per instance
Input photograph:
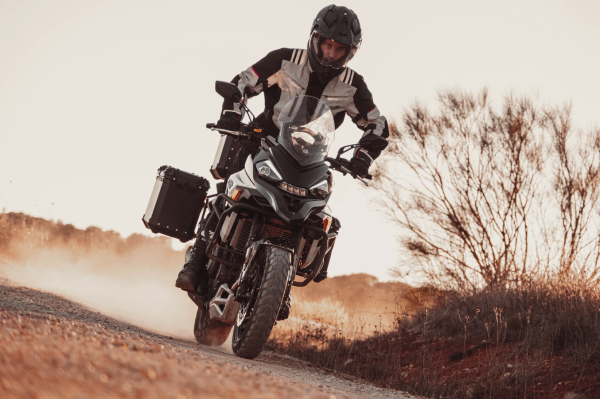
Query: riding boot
(194, 276)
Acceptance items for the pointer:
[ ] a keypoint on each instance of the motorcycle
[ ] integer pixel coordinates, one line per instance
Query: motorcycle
(271, 228)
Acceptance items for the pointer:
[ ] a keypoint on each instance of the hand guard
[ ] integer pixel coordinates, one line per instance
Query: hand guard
(230, 120)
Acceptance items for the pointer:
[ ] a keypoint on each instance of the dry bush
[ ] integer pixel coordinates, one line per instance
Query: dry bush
(493, 197)
(500, 210)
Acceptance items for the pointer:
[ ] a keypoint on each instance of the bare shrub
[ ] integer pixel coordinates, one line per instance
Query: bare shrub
(491, 198)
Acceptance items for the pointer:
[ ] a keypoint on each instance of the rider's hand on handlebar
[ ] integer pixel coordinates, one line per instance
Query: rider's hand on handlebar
(359, 167)
(230, 120)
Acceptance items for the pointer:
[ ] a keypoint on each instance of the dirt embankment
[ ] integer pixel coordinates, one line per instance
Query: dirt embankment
(54, 348)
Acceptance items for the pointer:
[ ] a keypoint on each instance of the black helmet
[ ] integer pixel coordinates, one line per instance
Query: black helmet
(341, 25)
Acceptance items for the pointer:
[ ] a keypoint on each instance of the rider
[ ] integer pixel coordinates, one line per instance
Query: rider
(319, 71)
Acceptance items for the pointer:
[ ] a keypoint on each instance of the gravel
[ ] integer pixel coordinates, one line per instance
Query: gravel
(51, 347)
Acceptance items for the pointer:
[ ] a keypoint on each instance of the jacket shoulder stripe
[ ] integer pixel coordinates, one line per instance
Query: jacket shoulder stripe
(343, 75)
(347, 76)
(298, 56)
(303, 57)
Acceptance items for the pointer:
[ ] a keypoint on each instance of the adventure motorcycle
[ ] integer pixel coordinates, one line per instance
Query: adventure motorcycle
(271, 228)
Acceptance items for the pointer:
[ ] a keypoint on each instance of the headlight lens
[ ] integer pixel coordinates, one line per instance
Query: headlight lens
(322, 189)
(267, 171)
(293, 189)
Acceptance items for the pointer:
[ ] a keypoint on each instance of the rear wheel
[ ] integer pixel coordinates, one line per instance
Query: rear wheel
(256, 317)
(210, 332)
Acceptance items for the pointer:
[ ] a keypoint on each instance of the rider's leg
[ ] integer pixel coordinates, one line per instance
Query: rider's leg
(194, 273)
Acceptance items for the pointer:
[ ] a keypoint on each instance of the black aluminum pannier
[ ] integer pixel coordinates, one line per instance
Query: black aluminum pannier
(175, 203)
(228, 147)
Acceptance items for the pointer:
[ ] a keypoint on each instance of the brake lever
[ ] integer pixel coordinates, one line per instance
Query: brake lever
(365, 182)
(213, 127)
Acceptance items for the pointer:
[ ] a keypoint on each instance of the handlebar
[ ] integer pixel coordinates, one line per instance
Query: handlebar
(336, 163)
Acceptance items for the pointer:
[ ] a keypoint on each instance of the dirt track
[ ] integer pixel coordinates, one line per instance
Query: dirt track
(54, 348)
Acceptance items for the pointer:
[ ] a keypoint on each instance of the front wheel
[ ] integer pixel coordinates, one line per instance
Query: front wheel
(256, 317)
(209, 332)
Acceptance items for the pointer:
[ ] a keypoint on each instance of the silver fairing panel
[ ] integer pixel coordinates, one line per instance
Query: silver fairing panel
(253, 185)
(242, 180)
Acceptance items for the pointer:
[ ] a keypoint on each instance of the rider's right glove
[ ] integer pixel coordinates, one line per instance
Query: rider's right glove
(230, 120)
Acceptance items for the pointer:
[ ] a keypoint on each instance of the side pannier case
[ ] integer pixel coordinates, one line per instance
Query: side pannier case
(175, 203)
(228, 147)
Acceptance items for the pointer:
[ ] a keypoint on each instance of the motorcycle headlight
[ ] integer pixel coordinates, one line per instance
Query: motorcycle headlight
(267, 171)
(322, 189)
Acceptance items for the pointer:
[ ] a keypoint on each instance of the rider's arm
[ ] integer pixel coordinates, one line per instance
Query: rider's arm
(253, 80)
(366, 116)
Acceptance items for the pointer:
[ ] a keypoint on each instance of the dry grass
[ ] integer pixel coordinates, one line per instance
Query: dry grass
(536, 341)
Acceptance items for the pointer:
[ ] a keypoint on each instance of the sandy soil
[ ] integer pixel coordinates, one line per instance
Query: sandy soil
(51, 347)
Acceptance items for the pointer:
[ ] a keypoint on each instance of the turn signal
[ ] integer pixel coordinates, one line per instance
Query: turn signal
(327, 223)
(236, 194)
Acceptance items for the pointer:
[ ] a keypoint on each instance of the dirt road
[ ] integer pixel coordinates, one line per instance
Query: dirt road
(51, 347)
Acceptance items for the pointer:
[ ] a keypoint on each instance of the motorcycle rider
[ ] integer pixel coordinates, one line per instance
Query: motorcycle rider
(319, 71)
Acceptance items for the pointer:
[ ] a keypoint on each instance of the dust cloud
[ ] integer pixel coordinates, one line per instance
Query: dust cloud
(131, 279)
(153, 304)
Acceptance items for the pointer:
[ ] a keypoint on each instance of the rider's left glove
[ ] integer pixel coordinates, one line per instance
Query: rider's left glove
(360, 163)
(230, 120)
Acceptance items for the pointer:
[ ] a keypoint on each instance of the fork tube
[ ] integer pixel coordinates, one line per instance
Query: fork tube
(256, 228)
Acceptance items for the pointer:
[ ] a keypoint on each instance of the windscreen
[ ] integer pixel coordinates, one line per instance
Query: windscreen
(307, 129)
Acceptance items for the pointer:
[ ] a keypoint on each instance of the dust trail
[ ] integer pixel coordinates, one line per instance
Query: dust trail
(131, 279)
(150, 303)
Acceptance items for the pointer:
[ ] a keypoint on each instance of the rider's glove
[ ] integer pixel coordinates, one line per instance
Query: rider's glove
(360, 163)
(250, 146)
(230, 120)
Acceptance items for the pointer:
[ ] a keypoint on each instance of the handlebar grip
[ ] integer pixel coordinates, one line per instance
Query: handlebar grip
(210, 125)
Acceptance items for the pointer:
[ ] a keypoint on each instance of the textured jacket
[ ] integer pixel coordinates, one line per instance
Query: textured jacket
(286, 73)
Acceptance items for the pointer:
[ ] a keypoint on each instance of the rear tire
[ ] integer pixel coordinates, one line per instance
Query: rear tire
(210, 332)
(250, 333)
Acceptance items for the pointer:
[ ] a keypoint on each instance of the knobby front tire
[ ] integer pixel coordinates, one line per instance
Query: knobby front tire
(251, 335)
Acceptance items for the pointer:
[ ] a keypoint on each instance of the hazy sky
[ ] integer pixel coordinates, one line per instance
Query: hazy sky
(96, 95)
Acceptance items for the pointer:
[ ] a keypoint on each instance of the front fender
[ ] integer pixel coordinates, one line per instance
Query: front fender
(255, 248)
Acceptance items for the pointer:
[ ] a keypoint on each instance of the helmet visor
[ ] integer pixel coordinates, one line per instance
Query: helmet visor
(330, 53)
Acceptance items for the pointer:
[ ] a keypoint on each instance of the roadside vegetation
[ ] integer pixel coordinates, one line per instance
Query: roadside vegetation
(500, 215)
(28, 240)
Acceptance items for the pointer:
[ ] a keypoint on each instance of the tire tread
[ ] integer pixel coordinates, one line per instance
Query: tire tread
(270, 297)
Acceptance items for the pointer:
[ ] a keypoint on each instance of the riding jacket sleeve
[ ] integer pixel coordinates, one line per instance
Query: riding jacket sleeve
(253, 80)
(365, 115)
